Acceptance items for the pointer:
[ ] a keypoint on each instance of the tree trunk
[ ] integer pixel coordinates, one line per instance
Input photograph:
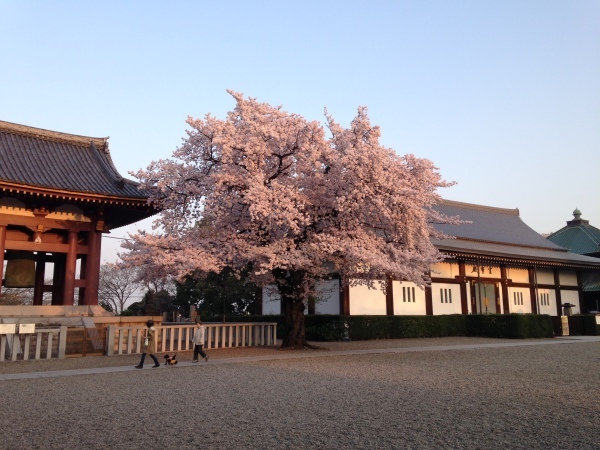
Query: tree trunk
(292, 289)
(294, 324)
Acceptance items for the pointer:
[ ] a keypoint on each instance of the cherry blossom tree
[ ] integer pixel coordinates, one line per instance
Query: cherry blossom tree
(294, 200)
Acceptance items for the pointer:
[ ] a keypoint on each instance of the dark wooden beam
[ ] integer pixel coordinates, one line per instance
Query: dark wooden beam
(47, 224)
(44, 247)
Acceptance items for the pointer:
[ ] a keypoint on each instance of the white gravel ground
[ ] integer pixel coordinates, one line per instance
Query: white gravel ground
(529, 397)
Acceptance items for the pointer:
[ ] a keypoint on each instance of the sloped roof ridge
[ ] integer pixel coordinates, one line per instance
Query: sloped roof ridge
(589, 230)
(109, 168)
(508, 211)
(510, 244)
(593, 236)
(55, 136)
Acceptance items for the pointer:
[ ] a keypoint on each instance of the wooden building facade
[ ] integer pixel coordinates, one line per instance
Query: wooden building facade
(494, 264)
(58, 194)
(584, 239)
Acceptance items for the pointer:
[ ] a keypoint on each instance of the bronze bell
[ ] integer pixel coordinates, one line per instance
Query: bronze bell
(20, 269)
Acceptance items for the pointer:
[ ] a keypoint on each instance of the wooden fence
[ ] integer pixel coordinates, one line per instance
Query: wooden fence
(85, 342)
(44, 343)
(174, 338)
(58, 342)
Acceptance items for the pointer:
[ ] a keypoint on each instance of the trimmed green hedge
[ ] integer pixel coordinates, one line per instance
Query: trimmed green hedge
(590, 327)
(359, 328)
(514, 326)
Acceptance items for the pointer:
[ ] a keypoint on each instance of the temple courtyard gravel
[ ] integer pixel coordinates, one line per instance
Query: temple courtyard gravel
(450, 393)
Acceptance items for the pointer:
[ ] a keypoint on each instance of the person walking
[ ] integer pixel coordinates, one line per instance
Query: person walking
(198, 341)
(149, 345)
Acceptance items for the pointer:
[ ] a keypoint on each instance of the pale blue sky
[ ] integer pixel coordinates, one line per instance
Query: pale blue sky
(503, 96)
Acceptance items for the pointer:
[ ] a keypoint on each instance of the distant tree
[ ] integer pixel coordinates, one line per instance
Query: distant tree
(107, 306)
(14, 296)
(117, 286)
(23, 296)
(213, 294)
(152, 303)
(271, 192)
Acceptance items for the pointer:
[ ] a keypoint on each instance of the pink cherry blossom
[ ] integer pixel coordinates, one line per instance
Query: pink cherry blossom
(295, 200)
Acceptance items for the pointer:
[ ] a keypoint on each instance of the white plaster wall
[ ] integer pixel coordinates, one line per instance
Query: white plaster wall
(367, 301)
(567, 279)
(271, 302)
(405, 308)
(547, 309)
(328, 297)
(517, 275)
(525, 307)
(545, 276)
(440, 308)
(571, 297)
(444, 270)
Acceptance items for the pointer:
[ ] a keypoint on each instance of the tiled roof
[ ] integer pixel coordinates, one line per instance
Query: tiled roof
(579, 237)
(491, 225)
(591, 282)
(497, 233)
(37, 158)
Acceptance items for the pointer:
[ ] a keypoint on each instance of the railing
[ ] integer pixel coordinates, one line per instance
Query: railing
(174, 338)
(44, 343)
(85, 341)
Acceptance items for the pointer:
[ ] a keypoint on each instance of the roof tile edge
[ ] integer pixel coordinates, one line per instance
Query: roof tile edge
(508, 211)
(56, 136)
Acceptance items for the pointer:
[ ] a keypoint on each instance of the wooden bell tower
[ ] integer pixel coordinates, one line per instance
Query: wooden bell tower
(58, 194)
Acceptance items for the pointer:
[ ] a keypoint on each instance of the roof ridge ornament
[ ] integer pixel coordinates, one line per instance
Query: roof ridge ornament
(55, 136)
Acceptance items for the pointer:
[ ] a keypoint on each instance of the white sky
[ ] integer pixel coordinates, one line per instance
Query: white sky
(503, 96)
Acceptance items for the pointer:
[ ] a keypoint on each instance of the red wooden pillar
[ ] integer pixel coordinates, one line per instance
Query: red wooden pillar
(40, 272)
(345, 301)
(428, 301)
(504, 287)
(559, 311)
(58, 278)
(533, 289)
(582, 305)
(2, 244)
(389, 297)
(92, 268)
(70, 269)
(82, 272)
(462, 273)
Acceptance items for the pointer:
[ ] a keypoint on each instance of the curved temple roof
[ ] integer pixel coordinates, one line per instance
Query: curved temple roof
(498, 233)
(45, 159)
(578, 236)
